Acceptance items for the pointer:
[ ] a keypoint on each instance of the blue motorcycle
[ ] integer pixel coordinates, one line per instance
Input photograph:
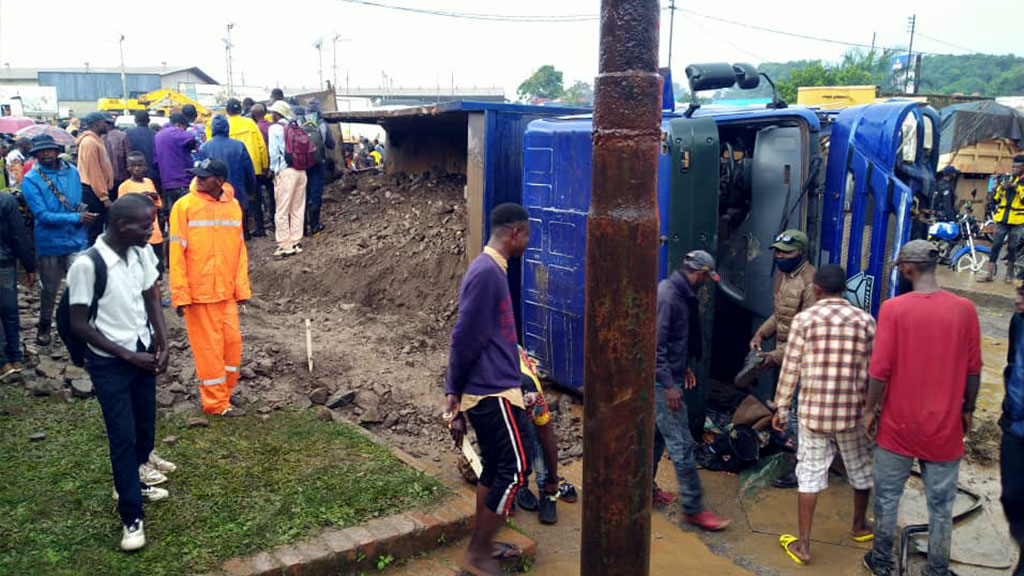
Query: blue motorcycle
(956, 242)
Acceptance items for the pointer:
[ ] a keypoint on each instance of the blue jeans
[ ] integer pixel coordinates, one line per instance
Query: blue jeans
(11, 350)
(314, 196)
(127, 397)
(673, 432)
(540, 467)
(891, 473)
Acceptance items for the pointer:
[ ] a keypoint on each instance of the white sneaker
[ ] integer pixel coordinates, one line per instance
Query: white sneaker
(150, 476)
(133, 537)
(282, 252)
(298, 248)
(150, 493)
(160, 464)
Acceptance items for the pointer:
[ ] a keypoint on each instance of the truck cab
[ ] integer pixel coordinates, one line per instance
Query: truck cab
(729, 180)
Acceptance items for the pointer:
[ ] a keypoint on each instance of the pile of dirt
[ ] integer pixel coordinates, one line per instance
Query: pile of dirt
(394, 244)
(982, 444)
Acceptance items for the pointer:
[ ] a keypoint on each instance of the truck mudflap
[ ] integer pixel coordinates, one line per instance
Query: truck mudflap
(880, 156)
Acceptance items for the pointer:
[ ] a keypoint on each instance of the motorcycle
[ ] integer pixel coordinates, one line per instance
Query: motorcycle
(956, 241)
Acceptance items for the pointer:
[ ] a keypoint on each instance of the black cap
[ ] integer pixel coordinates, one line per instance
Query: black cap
(233, 106)
(44, 142)
(210, 167)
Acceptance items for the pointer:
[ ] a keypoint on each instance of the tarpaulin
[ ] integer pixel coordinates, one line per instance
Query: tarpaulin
(967, 124)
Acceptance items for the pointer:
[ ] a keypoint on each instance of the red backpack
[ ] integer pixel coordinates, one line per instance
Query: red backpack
(299, 149)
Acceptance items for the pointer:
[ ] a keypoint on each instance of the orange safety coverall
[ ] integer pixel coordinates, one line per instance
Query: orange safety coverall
(209, 276)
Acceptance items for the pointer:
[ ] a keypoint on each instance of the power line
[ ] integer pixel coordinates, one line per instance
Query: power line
(791, 34)
(478, 16)
(950, 44)
(697, 25)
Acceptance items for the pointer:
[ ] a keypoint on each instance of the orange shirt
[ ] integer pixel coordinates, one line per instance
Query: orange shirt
(132, 187)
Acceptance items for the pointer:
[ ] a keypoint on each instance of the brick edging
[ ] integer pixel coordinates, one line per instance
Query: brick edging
(357, 548)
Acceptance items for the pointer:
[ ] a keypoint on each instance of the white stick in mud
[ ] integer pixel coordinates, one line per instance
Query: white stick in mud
(309, 345)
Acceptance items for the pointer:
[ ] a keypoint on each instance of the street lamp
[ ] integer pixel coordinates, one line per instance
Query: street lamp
(124, 81)
(319, 45)
(335, 39)
(227, 50)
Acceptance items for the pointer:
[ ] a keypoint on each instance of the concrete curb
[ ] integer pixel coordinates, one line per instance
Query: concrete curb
(983, 299)
(357, 549)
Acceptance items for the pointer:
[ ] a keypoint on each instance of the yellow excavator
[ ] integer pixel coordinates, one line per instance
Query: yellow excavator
(161, 101)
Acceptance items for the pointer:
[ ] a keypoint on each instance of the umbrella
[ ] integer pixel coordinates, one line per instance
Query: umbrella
(11, 124)
(60, 135)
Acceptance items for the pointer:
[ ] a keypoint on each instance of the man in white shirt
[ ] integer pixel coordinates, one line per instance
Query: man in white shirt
(127, 348)
(289, 185)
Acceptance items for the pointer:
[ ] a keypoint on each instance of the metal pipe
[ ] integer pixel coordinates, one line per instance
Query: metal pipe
(621, 294)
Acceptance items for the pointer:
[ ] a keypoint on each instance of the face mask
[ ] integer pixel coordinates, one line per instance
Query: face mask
(789, 264)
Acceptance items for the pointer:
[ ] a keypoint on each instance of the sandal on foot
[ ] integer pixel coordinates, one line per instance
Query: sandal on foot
(505, 551)
(785, 541)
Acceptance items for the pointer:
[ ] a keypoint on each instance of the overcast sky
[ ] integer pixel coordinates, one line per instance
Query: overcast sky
(273, 41)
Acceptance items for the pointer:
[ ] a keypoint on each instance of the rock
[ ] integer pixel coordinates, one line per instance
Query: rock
(305, 404)
(81, 388)
(370, 416)
(324, 413)
(164, 399)
(197, 422)
(72, 373)
(247, 373)
(38, 436)
(367, 399)
(391, 420)
(264, 417)
(575, 451)
(410, 363)
(177, 389)
(47, 368)
(12, 410)
(319, 396)
(187, 375)
(264, 410)
(45, 387)
(341, 398)
(171, 440)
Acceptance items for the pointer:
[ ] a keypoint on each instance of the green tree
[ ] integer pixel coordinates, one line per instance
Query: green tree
(858, 67)
(580, 93)
(546, 82)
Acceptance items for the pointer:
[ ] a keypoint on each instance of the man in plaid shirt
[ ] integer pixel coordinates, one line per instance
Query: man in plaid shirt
(828, 353)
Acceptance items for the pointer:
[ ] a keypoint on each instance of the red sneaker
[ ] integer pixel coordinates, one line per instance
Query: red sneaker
(708, 521)
(662, 496)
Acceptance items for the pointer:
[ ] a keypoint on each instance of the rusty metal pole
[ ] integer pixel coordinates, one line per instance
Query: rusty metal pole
(621, 308)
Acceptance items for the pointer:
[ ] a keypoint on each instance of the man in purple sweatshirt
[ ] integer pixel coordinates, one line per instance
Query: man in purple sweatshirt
(172, 151)
(484, 383)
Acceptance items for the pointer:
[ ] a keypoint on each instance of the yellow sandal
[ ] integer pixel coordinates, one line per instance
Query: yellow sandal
(785, 540)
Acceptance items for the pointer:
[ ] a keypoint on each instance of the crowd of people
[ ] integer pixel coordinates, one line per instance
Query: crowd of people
(882, 395)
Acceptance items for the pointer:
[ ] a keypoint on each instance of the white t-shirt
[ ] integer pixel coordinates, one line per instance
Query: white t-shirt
(121, 311)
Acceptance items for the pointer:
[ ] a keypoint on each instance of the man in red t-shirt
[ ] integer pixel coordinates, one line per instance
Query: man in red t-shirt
(925, 372)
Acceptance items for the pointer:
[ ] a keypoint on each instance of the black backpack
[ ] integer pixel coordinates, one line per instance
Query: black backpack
(75, 345)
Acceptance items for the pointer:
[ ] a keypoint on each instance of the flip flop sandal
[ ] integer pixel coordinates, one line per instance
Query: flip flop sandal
(505, 551)
(863, 538)
(566, 491)
(785, 540)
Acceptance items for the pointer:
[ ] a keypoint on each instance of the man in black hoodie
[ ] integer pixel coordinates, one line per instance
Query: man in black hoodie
(14, 247)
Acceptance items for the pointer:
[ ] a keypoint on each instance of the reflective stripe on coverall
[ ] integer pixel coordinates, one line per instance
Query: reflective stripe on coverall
(209, 272)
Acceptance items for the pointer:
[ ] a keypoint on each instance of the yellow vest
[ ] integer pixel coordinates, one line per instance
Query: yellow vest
(1013, 216)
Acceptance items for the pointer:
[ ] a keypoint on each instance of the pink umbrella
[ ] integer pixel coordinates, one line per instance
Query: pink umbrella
(60, 135)
(11, 124)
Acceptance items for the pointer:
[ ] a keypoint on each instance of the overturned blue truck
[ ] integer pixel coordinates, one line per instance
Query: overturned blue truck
(729, 180)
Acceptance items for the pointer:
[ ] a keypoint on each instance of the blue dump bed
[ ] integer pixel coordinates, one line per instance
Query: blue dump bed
(556, 191)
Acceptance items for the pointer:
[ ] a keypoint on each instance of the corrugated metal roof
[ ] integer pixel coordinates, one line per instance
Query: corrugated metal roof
(33, 73)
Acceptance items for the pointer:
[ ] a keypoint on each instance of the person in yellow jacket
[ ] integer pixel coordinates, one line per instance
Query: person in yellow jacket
(209, 277)
(247, 132)
(1009, 217)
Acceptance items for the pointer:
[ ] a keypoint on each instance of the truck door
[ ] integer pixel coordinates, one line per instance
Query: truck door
(693, 225)
(879, 156)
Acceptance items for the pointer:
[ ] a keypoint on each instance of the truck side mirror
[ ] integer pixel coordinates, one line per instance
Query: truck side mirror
(747, 77)
(714, 76)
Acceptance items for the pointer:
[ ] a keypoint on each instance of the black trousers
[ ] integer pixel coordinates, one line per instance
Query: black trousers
(1011, 470)
(96, 207)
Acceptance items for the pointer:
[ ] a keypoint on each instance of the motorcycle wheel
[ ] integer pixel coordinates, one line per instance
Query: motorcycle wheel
(964, 264)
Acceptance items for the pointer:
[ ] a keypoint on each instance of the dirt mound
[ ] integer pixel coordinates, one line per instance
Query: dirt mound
(393, 244)
(982, 444)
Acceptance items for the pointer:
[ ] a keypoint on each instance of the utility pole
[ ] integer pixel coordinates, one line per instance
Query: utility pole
(912, 25)
(335, 39)
(671, 29)
(621, 296)
(124, 81)
(874, 35)
(319, 45)
(227, 49)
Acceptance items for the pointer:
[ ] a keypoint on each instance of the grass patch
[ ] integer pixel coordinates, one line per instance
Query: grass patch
(242, 486)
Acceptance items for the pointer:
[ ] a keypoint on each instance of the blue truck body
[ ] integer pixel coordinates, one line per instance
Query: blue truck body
(847, 178)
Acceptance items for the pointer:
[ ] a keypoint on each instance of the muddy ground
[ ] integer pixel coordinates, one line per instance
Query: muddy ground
(380, 288)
